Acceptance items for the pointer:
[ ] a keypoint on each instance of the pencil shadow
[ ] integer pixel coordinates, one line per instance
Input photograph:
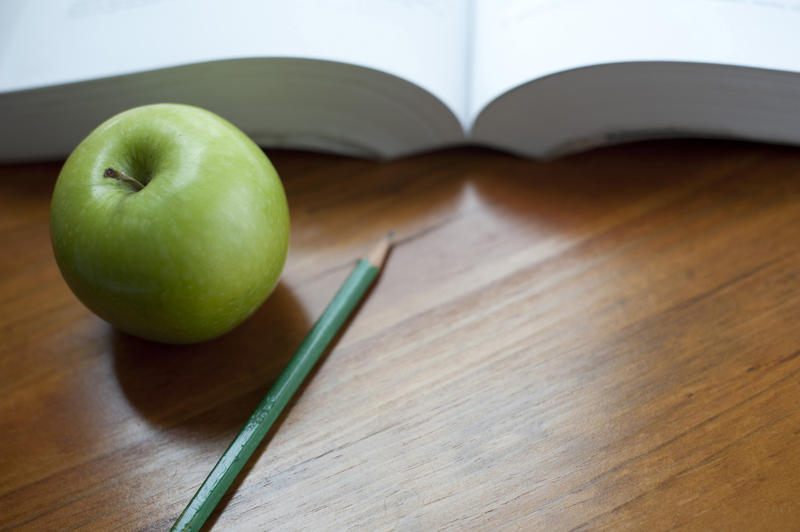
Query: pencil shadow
(211, 388)
(226, 499)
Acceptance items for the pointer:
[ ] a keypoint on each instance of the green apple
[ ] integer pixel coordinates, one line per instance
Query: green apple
(170, 223)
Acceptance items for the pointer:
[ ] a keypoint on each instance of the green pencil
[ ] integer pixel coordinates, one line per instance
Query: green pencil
(239, 451)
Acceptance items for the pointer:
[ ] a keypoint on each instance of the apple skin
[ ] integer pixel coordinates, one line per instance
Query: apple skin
(193, 253)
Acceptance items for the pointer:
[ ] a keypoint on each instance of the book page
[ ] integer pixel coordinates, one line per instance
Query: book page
(518, 41)
(51, 42)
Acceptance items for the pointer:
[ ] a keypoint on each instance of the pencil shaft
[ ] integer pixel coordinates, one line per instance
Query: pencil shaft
(248, 439)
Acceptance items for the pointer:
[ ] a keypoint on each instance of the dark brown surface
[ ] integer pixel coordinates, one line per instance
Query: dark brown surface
(609, 340)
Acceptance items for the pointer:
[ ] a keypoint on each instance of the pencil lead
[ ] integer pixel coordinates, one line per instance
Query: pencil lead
(378, 253)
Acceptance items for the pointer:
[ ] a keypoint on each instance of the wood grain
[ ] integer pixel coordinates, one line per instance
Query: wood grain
(605, 341)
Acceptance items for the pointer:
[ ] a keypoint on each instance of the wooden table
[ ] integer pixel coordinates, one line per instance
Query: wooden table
(606, 341)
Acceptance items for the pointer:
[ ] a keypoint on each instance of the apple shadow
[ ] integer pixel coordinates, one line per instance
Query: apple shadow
(210, 389)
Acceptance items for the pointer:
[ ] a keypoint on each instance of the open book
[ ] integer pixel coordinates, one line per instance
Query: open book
(386, 78)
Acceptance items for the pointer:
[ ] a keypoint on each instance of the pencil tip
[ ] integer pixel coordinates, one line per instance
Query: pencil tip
(377, 254)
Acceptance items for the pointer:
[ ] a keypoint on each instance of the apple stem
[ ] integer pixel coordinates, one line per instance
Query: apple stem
(110, 172)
